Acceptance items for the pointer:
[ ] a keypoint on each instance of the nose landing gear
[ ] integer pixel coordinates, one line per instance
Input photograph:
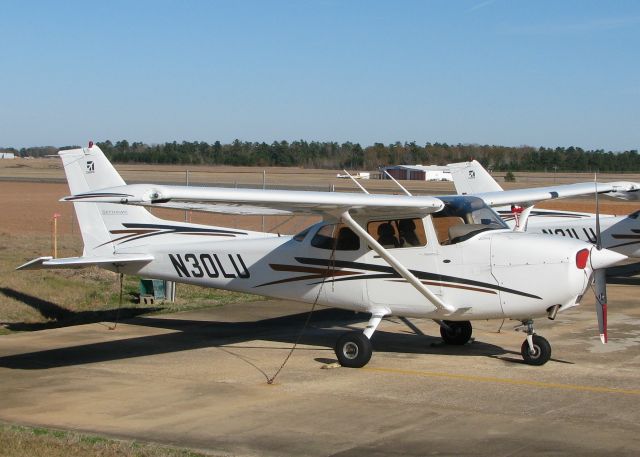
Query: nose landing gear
(535, 350)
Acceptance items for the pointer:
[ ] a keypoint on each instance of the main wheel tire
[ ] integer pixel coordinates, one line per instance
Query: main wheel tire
(541, 351)
(353, 350)
(458, 333)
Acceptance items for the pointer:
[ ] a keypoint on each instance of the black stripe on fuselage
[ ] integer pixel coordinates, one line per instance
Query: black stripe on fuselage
(391, 273)
(182, 229)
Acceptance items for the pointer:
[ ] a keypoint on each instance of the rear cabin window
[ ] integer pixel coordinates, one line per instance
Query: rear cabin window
(301, 236)
(398, 233)
(337, 236)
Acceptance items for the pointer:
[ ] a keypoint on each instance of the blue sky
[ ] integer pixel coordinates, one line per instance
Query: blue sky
(541, 73)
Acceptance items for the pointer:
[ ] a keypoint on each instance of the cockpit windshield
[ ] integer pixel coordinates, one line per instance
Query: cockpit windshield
(462, 217)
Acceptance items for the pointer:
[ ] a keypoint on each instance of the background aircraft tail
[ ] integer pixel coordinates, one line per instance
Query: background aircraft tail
(472, 178)
(88, 169)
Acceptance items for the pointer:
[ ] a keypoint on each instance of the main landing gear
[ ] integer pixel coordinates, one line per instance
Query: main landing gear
(354, 349)
(535, 350)
(455, 332)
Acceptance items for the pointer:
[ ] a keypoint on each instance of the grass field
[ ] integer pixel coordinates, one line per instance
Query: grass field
(20, 441)
(35, 300)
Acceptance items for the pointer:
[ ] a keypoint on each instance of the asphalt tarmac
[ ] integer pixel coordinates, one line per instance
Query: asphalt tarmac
(198, 380)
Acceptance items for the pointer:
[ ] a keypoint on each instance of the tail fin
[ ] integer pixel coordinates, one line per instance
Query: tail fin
(472, 178)
(88, 169)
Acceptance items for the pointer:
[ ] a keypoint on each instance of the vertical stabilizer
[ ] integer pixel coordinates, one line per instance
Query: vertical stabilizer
(88, 169)
(472, 178)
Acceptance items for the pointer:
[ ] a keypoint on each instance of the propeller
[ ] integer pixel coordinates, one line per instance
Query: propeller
(600, 279)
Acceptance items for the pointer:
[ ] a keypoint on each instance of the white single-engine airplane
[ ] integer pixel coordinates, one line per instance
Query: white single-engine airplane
(451, 259)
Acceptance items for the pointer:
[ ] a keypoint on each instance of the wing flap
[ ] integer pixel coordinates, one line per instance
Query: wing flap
(242, 210)
(287, 201)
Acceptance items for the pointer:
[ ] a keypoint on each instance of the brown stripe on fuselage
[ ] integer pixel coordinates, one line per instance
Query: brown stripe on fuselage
(317, 273)
(302, 269)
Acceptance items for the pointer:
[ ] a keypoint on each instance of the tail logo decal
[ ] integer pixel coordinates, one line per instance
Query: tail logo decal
(91, 167)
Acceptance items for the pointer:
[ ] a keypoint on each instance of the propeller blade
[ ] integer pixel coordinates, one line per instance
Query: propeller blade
(600, 276)
(601, 302)
(598, 234)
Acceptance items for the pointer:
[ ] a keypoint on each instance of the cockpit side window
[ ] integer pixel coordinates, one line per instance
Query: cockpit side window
(398, 233)
(337, 236)
(463, 217)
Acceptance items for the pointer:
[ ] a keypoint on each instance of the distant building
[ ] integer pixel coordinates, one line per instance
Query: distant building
(7, 155)
(418, 172)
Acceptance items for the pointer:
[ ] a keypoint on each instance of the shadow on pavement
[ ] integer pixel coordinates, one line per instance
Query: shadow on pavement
(62, 317)
(324, 329)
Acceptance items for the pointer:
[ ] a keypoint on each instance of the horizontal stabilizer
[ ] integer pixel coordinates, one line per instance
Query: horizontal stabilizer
(42, 263)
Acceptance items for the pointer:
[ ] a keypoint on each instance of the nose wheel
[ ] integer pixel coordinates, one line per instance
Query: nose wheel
(535, 350)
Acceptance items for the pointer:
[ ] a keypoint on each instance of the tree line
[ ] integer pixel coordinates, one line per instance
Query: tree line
(334, 155)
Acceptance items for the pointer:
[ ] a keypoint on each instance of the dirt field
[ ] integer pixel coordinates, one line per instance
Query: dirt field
(31, 190)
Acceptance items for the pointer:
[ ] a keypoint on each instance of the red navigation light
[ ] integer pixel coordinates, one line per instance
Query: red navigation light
(581, 258)
(90, 144)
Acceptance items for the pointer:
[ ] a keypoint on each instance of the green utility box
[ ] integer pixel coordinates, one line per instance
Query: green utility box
(152, 290)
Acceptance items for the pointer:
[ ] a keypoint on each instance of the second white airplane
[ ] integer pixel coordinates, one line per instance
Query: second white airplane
(619, 233)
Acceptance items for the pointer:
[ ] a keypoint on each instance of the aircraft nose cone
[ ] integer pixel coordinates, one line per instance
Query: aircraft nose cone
(605, 258)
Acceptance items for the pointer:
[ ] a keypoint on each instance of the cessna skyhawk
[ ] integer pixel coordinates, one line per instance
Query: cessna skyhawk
(451, 259)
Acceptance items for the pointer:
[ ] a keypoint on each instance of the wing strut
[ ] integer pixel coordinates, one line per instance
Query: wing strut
(399, 185)
(395, 264)
(357, 183)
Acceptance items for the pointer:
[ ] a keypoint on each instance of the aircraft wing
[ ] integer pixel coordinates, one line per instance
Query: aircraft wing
(42, 263)
(225, 200)
(471, 178)
(527, 197)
